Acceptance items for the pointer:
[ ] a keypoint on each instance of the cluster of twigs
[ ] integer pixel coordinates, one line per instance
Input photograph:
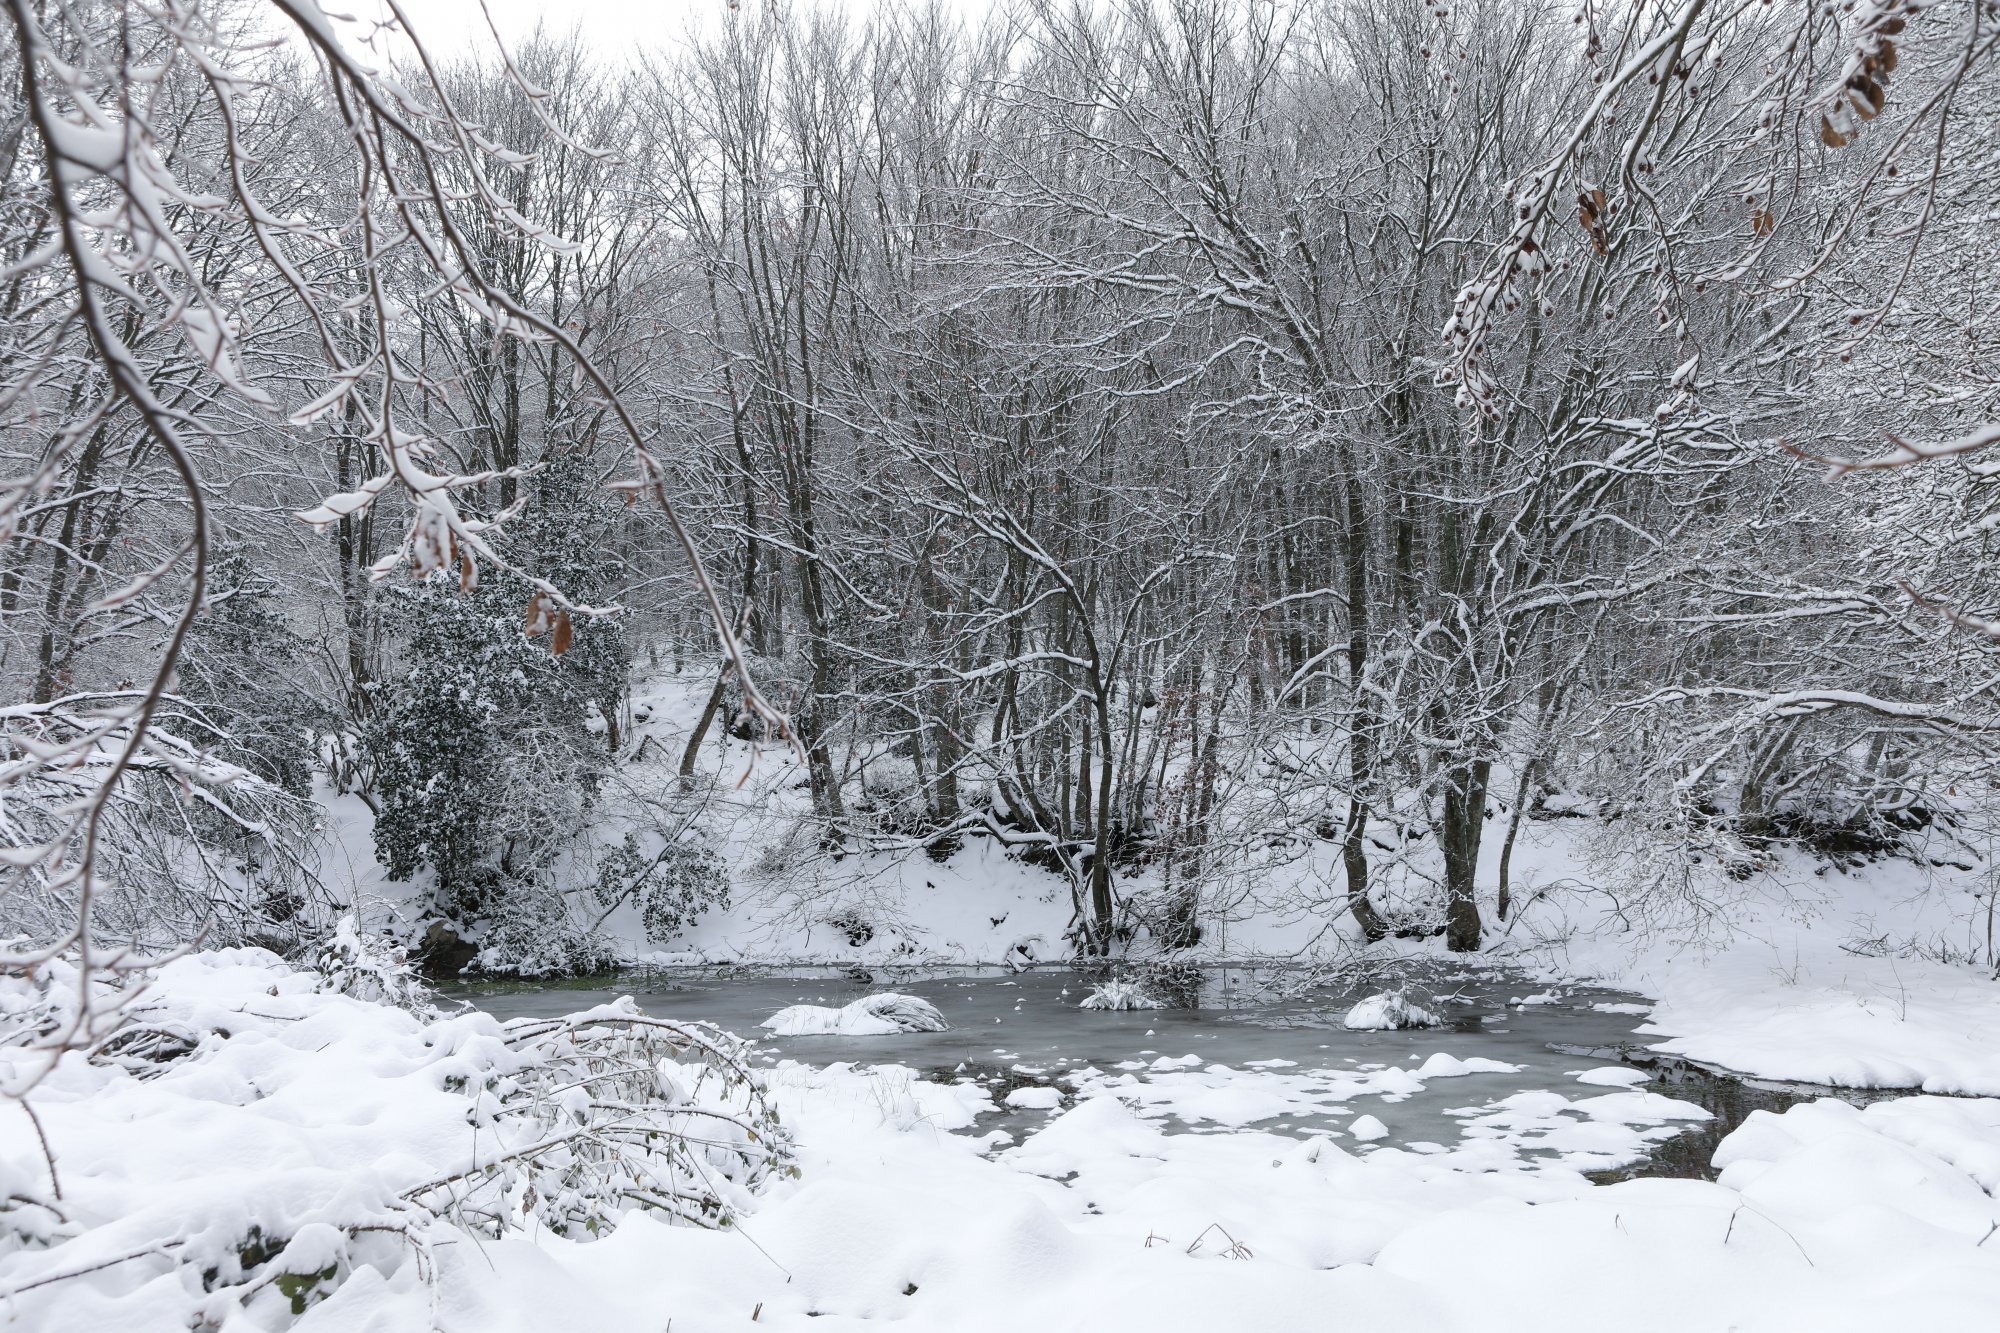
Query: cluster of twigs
(611, 1110)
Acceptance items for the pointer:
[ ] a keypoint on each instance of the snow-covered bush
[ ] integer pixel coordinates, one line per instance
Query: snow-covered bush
(240, 666)
(1391, 1010)
(672, 888)
(610, 1110)
(870, 1016)
(314, 1134)
(485, 767)
(1119, 995)
(853, 922)
(538, 933)
(369, 968)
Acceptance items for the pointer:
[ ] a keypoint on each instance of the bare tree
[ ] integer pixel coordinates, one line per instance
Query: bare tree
(148, 124)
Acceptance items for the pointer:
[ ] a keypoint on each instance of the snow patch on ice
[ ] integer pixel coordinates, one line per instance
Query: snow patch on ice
(1441, 1065)
(1613, 1076)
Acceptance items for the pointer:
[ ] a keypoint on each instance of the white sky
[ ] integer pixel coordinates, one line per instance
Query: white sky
(615, 26)
(611, 24)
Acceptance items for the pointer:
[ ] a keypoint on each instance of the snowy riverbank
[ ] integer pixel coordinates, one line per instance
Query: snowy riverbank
(1860, 974)
(288, 1139)
(1157, 1200)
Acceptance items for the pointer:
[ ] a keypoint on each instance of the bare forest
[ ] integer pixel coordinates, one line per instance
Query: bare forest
(1230, 462)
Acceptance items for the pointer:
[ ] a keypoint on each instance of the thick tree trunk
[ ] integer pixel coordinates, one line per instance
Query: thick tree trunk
(1460, 830)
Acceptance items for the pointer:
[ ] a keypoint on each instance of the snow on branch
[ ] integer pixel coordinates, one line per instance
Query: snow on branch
(1904, 454)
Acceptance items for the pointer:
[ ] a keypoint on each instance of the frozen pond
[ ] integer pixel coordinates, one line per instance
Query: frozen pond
(1520, 1072)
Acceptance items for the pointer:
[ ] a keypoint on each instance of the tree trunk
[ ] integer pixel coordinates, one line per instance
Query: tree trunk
(1464, 821)
(1100, 862)
(700, 731)
(1361, 739)
(1505, 901)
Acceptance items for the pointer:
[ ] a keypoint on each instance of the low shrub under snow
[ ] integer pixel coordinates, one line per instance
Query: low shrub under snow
(1119, 995)
(1389, 1011)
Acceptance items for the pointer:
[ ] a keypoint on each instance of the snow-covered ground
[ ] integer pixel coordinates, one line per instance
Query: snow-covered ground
(1802, 989)
(287, 1143)
(291, 1137)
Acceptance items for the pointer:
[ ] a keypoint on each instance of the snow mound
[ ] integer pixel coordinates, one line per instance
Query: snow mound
(1368, 1129)
(881, 1015)
(1120, 995)
(1388, 1011)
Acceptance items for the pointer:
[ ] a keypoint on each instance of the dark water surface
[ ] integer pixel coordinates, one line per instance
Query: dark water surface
(1009, 1031)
